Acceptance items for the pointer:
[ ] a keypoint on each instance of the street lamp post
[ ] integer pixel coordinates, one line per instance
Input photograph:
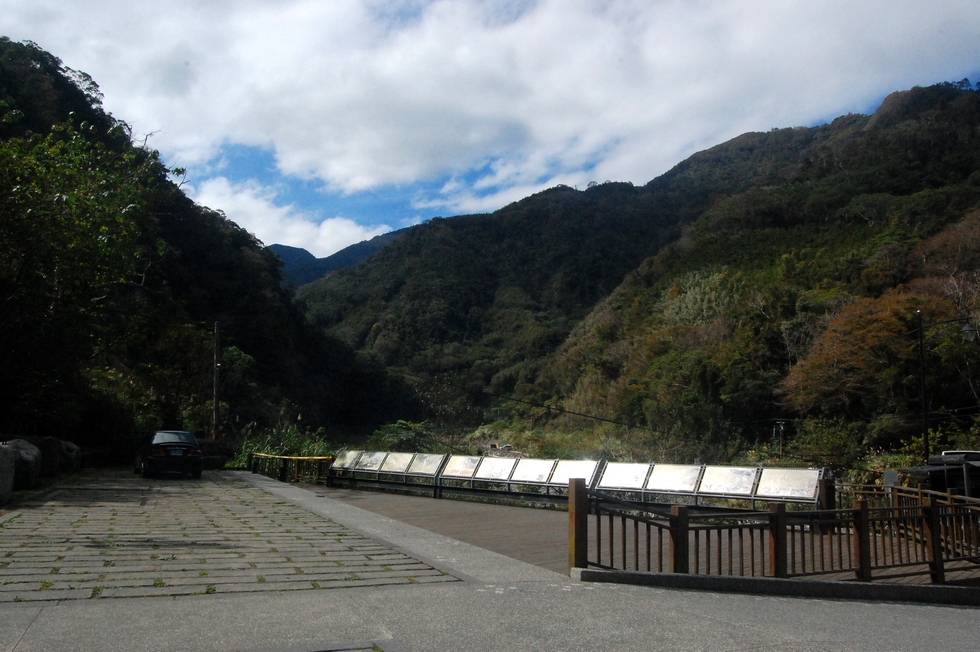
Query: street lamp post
(969, 333)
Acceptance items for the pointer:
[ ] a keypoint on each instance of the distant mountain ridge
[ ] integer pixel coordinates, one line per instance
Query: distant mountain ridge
(301, 267)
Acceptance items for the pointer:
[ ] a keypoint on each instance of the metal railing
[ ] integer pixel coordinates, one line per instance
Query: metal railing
(289, 468)
(862, 543)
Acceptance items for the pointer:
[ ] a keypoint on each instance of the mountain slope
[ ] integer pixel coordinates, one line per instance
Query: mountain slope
(743, 253)
(301, 267)
(792, 307)
(111, 282)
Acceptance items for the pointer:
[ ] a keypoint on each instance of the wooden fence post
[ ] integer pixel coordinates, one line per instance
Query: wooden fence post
(777, 540)
(283, 470)
(862, 540)
(933, 540)
(578, 524)
(249, 463)
(680, 543)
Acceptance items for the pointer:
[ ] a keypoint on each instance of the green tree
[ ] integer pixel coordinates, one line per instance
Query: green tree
(72, 221)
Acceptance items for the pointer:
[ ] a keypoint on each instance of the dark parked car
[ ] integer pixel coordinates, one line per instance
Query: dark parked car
(170, 451)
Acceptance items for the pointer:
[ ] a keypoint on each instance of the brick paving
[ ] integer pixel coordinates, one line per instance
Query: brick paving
(109, 534)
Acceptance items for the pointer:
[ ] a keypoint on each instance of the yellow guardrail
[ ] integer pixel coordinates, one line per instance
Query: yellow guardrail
(290, 468)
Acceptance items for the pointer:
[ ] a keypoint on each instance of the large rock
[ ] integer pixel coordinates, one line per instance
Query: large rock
(50, 454)
(27, 467)
(8, 463)
(70, 458)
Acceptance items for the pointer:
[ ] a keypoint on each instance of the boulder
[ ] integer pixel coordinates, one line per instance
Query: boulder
(50, 454)
(27, 466)
(8, 461)
(70, 457)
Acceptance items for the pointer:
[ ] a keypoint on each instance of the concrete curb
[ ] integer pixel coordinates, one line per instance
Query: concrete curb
(928, 593)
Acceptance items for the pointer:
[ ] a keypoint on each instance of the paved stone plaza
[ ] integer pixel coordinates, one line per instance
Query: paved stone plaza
(113, 534)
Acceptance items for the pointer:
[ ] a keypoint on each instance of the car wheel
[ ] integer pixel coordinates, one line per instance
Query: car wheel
(196, 474)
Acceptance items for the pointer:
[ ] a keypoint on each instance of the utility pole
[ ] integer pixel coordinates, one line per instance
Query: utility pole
(922, 387)
(217, 364)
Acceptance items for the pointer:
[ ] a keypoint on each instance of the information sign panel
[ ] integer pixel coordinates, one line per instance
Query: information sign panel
(397, 462)
(346, 459)
(426, 464)
(535, 471)
(789, 483)
(460, 466)
(568, 469)
(674, 477)
(624, 475)
(370, 461)
(728, 480)
(495, 468)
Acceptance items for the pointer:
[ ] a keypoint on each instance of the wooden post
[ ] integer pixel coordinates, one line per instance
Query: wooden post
(283, 470)
(862, 540)
(250, 463)
(578, 524)
(680, 543)
(933, 540)
(777, 540)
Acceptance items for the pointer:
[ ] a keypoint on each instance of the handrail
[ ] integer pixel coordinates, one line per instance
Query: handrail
(863, 542)
(293, 457)
(290, 467)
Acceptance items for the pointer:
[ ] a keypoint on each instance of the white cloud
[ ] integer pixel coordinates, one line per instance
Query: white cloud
(510, 96)
(254, 208)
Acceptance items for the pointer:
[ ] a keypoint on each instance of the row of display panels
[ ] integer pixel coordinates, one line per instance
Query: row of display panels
(750, 482)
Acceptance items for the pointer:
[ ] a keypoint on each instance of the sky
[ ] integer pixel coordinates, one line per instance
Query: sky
(321, 123)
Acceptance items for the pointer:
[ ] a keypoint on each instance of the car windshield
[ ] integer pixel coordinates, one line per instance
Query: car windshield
(174, 437)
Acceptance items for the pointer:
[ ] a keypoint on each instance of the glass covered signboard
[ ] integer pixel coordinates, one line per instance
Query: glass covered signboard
(533, 471)
(681, 478)
(624, 475)
(397, 462)
(495, 468)
(461, 466)
(426, 464)
(728, 480)
(789, 483)
(346, 459)
(370, 461)
(565, 470)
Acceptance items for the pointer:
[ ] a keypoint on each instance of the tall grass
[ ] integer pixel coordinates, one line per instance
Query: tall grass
(284, 439)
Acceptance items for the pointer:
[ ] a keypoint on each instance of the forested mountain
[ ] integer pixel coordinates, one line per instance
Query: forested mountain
(301, 267)
(767, 285)
(111, 281)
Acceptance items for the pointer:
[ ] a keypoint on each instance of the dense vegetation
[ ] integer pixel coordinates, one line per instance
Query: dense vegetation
(111, 281)
(770, 298)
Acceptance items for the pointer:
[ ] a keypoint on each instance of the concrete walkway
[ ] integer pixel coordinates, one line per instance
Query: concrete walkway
(242, 562)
